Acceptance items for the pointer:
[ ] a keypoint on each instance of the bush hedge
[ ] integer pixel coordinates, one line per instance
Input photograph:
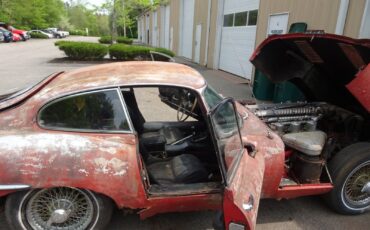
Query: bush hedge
(127, 52)
(83, 50)
(77, 32)
(131, 52)
(164, 51)
(124, 40)
(38, 35)
(105, 39)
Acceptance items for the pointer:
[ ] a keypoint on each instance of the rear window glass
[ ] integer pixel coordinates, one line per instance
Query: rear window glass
(102, 111)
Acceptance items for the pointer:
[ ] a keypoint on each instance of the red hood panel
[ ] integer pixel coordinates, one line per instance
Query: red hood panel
(360, 87)
(321, 65)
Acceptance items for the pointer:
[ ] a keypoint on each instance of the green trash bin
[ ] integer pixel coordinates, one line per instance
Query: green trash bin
(263, 88)
(298, 27)
(287, 91)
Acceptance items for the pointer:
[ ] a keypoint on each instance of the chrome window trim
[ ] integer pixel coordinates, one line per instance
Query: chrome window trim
(130, 131)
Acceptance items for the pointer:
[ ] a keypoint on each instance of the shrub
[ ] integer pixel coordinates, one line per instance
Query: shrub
(61, 42)
(164, 51)
(128, 52)
(105, 39)
(77, 32)
(124, 40)
(83, 50)
(38, 35)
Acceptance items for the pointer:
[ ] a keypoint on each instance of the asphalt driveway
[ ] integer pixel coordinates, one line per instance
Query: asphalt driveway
(26, 62)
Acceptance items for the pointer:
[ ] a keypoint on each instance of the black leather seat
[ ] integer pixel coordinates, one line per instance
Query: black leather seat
(182, 169)
(171, 134)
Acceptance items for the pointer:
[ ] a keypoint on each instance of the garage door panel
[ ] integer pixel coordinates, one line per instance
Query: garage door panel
(238, 42)
(232, 6)
(187, 28)
(237, 46)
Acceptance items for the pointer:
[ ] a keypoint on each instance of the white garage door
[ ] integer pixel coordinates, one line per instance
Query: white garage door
(238, 36)
(165, 27)
(187, 25)
(155, 29)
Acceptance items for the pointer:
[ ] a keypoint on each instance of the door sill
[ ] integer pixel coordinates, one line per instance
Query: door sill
(184, 189)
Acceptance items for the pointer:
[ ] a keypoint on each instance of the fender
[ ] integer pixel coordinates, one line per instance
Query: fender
(103, 163)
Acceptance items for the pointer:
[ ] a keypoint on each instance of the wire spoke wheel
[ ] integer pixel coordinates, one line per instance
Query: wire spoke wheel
(356, 189)
(60, 208)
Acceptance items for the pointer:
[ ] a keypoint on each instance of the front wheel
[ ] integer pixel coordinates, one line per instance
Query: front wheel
(58, 209)
(350, 171)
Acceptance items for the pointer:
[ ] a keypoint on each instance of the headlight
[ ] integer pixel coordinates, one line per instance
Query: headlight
(233, 226)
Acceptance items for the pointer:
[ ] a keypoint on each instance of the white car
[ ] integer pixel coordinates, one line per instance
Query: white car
(63, 33)
(41, 32)
(1, 37)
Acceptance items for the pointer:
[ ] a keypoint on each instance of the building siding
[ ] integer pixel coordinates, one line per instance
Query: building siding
(212, 35)
(318, 14)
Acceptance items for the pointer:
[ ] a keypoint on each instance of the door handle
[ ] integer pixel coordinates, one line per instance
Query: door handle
(248, 206)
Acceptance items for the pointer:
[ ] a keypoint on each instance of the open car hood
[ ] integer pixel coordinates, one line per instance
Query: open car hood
(326, 67)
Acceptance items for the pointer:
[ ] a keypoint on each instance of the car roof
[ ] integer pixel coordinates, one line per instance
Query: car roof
(138, 73)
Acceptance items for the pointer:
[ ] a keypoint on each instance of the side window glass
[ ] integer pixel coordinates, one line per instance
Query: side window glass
(100, 111)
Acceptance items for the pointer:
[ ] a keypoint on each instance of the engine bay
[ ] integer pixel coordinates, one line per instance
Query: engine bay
(312, 132)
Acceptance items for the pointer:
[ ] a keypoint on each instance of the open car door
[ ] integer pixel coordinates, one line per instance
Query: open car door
(242, 170)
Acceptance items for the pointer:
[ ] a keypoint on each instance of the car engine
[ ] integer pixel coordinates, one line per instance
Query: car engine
(312, 131)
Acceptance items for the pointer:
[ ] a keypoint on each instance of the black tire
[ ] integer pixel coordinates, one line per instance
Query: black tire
(16, 205)
(343, 168)
(23, 38)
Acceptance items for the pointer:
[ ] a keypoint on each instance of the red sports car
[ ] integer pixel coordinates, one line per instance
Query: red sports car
(79, 143)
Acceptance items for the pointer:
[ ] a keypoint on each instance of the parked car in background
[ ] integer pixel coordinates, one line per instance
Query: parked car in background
(62, 33)
(49, 35)
(8, 36)
(56, 34)
(22, 33)
(17, 38)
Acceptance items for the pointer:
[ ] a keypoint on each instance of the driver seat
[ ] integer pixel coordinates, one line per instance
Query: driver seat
(170, 134)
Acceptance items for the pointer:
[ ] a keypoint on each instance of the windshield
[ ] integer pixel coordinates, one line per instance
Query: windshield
(211, 97)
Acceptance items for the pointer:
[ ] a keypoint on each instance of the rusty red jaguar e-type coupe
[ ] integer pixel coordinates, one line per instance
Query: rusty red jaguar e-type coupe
(77, 144)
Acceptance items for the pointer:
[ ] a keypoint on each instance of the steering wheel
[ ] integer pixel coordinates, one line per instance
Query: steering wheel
(181, 115)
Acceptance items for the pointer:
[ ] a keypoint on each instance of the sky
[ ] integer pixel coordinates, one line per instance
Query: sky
(92, 2)
(95, 2)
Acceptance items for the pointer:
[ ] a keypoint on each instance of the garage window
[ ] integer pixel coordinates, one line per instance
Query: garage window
(228, 20)
(241, 19)
(96, 111)
(252, 18)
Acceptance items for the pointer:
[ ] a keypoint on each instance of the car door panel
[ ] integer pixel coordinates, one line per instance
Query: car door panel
(242, 172)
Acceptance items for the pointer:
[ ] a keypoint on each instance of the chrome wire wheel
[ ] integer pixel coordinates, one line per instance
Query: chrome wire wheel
(356, 188)
(60, 209)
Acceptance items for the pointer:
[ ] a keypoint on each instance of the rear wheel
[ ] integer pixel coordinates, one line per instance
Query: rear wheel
(350, 171)
(58, 208)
